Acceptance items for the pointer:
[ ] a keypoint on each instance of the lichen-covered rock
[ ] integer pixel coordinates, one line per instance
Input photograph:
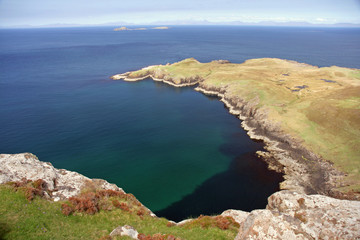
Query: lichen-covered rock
(238, 215)
(62, 183)
(125, 231)
(291, 215)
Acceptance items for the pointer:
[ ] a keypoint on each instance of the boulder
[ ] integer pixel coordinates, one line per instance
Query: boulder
(125, 231)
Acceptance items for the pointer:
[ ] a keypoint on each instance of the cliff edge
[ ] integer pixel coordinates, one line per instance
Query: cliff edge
(288, 215)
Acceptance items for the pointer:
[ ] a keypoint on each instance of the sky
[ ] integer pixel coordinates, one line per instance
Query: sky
(93, 12)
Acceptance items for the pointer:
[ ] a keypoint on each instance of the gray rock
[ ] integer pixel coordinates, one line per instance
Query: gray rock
(125, 231)
(291, 215)
(63, 183)
(238, 215)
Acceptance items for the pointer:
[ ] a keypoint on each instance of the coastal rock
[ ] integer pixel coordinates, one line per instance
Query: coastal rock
(62, 183)
(238, 215)
(221, 61)
(291, 215)
(125, 231)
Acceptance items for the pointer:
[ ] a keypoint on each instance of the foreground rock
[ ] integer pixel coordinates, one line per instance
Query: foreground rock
(126, 230)
(62, 183)
(291, 215)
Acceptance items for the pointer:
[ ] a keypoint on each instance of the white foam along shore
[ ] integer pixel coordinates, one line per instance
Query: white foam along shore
(125, 77)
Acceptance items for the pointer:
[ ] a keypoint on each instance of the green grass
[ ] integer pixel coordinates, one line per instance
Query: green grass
(43, 219)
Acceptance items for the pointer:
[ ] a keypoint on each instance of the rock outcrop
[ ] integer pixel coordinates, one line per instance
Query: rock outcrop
(290, 215)
(62, 183)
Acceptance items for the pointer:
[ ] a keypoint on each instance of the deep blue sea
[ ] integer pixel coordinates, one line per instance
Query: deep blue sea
(179, 152)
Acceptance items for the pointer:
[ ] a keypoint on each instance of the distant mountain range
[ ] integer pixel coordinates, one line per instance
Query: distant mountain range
(262, 23)
(194, 22)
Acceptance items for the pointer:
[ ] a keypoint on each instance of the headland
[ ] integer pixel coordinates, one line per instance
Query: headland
(308, 117)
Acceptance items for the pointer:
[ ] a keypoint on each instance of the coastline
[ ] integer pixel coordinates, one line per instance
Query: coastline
(304, 171)
(127, 79)
(296, 175)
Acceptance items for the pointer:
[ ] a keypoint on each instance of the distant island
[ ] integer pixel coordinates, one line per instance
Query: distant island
(135, 29)
(308, 117)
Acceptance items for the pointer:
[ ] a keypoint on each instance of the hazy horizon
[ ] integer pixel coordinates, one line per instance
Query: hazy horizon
(39, 13)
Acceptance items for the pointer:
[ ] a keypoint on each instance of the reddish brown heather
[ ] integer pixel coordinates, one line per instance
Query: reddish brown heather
(125, 207)
(66, 209)
(86, 202)
(30, 188)
(116, 203)
(109, 193)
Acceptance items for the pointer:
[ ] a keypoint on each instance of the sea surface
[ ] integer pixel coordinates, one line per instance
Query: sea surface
(179, 152)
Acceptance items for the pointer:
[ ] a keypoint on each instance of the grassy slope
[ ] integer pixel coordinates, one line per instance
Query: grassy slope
(325, 115)
(42, 219)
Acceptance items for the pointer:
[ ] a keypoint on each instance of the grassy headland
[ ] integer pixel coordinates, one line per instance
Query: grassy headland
(319, 108)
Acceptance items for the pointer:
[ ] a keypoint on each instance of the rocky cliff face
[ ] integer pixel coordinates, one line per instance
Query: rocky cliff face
(160, 76)
(304, 171)
(62, 183)
(288, 215)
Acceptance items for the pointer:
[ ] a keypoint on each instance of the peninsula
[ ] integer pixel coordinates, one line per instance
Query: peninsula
(308, 117)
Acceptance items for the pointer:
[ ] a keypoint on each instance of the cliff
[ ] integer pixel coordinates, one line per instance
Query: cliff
(288, 215)
(308, 117)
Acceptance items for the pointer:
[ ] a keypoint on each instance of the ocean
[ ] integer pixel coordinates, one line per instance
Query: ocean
(179, 152)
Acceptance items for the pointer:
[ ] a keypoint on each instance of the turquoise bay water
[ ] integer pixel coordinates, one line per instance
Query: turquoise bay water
(181, 153)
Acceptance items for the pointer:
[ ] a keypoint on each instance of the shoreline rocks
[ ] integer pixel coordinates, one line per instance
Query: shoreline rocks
(303, 171)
